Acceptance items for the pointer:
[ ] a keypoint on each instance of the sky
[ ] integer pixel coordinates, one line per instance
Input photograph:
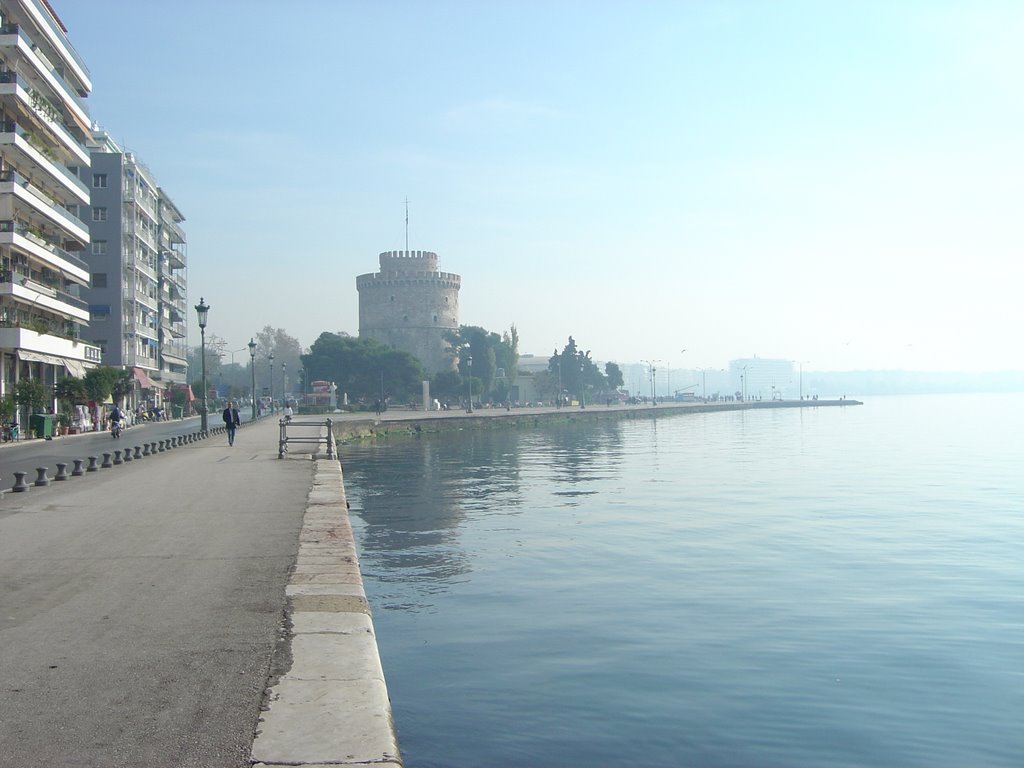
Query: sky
(825, 182)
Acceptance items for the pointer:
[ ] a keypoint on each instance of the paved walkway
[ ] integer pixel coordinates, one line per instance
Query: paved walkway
(141, 605)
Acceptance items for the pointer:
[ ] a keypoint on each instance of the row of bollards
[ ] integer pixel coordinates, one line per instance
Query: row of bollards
(118, 456)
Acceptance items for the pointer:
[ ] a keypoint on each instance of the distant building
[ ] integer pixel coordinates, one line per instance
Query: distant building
(138, 297)
(44, 131)
(409, 305)
(762, 378)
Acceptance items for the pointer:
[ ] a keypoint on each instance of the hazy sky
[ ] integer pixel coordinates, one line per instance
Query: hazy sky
(832, 182)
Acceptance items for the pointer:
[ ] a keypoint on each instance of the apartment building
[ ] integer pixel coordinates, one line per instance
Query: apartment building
(44, 133)
(137, 254)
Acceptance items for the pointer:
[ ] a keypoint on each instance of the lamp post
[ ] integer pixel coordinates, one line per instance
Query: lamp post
(252, 367)
(284, 382)
(202, 310)
(469, 383)
(654, 392)
(801, 364)
(270, 362)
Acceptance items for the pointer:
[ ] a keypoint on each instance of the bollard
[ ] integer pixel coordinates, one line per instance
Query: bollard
(20, 486)
(145, 449)
(163, 446)
(107, 464)
(127, 454)
(77, 471)
(117, 456)
(41, 478)
(62, 472)
(152, 447)
(92, 465)
(138, 452)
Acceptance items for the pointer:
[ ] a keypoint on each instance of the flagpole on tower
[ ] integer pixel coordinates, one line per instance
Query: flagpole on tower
(407, 226)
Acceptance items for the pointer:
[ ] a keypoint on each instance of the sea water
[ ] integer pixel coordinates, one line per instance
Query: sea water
(814, 587)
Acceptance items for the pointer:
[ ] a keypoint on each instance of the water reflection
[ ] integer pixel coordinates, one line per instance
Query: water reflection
(411, 498)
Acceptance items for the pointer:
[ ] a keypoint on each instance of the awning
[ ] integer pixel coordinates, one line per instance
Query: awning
(141, 377)
(39, 357)
(75, 367)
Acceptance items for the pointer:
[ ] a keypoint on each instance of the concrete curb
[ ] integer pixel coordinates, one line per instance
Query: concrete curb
(331, 707)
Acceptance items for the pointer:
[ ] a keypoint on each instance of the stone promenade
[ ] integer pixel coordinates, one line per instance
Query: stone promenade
(200, 607)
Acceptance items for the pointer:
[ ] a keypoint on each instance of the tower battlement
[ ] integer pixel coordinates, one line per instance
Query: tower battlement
(401, 261)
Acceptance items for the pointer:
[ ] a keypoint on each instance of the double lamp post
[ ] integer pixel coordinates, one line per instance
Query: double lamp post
(203, 311)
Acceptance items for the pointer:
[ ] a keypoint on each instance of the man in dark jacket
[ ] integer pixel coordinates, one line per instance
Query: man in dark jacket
(231, 421)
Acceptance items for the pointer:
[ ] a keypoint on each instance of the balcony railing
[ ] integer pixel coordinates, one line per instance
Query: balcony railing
(59, 33)
(10, 126)
(69, 141)
(60, 212)
(67, 90)
(56, 250)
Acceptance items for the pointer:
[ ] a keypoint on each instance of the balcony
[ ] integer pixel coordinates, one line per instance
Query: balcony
(31, 152)
(36, 201)
(73, 352)
(22, 239)
(12, 84)
(40, 296)
(175, 258)
(58, 39)
(12, 37)
(142, 266)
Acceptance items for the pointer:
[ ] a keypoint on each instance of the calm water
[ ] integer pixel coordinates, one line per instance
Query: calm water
(832, 587)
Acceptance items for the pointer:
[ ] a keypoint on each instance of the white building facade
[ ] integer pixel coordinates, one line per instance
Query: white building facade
(44, 133)
(137, 255)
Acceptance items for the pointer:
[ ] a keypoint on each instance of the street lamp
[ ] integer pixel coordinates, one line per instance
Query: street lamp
(801, 364)
(654, 393)
(559, 379)
(469, 382)
(252, 367)
(284, 383)
(202, 310)
(668, 374)
(270, 362)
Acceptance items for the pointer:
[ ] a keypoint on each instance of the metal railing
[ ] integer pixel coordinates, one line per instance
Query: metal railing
(286, 439)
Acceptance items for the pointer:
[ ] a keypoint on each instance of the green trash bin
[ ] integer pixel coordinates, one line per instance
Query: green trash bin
(41, 424)
(177, 410)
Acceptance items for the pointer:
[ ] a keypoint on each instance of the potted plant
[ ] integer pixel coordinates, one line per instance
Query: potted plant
(63, 424)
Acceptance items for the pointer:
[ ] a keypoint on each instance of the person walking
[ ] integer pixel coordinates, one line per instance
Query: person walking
(231, 421)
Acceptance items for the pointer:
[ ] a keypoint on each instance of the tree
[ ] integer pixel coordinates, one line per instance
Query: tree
(447, 385)
(363, 367)
(490, 351)
(613, 375)
(287, 352)
(31, 393)
(71, 391)
(106, 381)
(578, 373)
